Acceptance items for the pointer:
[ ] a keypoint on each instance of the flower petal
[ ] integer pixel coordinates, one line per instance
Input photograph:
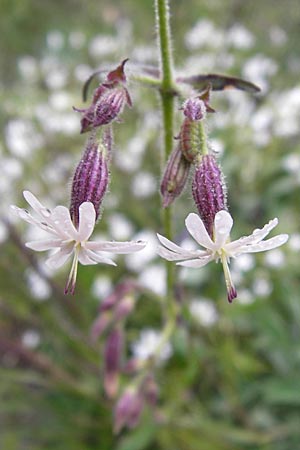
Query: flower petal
(262, 246)
(99, 259)
(169, 255)
(116, 247)
(59, 258)
(61, 221)
(197, 230)
(25, 215)
(87, 218)
(233, 248)
(196, 263)
(222, 226)
(170, 245)
(36, 205)
(46, 244)
(84, 258)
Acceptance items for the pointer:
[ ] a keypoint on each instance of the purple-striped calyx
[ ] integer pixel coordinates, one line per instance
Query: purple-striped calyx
(209, 191)
(91, 176)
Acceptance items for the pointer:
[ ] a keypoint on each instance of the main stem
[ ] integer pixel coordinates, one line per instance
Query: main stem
(167, 104)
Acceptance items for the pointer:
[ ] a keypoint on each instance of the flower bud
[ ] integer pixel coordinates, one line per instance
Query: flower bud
(209, 191)
(128, 409)
(194, 109)
(108, 101)
(174, 177)
(112, 358)
(90, 180)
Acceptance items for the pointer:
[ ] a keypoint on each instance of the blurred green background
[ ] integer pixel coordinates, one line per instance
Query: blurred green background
(232, 380)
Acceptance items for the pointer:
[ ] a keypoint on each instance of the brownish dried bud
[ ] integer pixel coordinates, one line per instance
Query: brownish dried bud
(174, 177)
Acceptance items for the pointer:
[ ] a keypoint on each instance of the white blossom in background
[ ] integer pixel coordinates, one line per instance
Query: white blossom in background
(204, 33)
(146, 346)
(55, 40)
(143, 185)
(239, 37)
(38, 286)
(204, 311)
(30, 339)
(294, 242)
(262, 287)
(22, 138)
(102, 286)
(153, 278)
(275, 258)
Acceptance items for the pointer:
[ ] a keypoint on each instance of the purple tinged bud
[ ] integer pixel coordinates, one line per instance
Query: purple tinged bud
(194, 109)
(100, 325)
(112, 360)
(123, 308)
(128, 409)
(109, 106)
(209, 191)
(109, 100)
(90, 180)
(174, 177)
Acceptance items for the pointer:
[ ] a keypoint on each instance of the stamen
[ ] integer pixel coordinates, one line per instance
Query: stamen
(231, 291)
(71, 283)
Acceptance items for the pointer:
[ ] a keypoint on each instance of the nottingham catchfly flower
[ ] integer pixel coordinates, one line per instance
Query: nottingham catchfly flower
(68, 241)
(219, 247)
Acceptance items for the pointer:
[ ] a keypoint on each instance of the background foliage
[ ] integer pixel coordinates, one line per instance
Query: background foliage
(232, 381)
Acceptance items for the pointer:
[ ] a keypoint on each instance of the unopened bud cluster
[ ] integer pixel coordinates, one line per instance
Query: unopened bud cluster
(91, 177)
(208, 187)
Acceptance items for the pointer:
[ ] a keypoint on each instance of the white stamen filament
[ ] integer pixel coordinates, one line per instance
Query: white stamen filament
(70, 286)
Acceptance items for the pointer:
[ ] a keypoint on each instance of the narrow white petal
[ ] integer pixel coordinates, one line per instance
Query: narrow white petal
(263, 246)
(87, 218)
(116, 247)
(59, 258)
(257, 236)
(169, 255)
(197, 230)
(63, 224)
(169, 244)
(25, 215)
(99, 259)
(84, 258)
(222, 226)
(196, 263)
(36, 205)
(46, 244)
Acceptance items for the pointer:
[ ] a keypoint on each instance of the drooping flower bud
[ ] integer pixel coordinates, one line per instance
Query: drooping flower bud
(128, 409)
(174, 177)
(91, 176)
(112, 359)
(209, 191)
(108, 101)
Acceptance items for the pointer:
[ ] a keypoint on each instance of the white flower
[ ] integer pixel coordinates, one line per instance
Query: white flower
(66, 240)
(220, 248)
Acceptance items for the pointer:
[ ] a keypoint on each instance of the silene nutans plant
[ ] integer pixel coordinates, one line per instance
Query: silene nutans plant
(190, 168)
